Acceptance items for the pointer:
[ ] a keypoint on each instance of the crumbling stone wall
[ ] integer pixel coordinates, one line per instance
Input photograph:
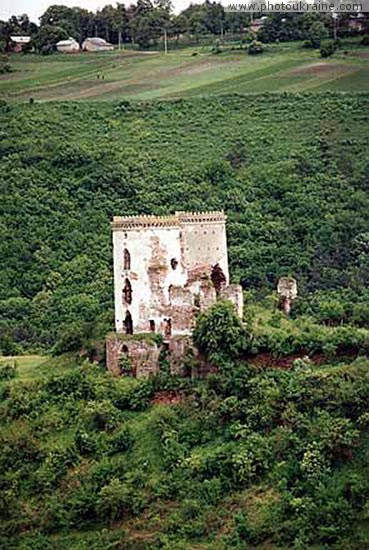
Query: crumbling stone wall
(181, 353)
(234, 294)
(167, 270)
(142, 354)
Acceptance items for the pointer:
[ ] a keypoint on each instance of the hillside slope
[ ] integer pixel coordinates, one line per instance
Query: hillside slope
(246, 459)
(291, 171)
(196, 71)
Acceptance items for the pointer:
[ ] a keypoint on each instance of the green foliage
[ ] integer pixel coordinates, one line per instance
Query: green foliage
(56, 248)
(219, 333)
(5, 66)
(48, 37)
(315, 33)
(255, 47)
(247, 457)
(8, 371)
(327, 48)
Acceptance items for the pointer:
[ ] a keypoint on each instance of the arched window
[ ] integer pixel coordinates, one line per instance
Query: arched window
(127, 292)
(218, 278)
(126, 260)
(128, 323)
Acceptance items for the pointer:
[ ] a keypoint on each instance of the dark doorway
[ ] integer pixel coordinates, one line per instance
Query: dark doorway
(128, 324)
(218, 278)
(167, 328)
(152, 325)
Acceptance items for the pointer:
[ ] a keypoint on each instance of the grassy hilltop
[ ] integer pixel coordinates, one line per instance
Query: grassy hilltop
(183, 73)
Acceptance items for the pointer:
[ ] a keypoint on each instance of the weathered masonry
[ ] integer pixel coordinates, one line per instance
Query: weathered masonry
(166, 270)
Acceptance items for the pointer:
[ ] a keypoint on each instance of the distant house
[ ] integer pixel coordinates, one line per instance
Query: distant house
(357, 23)
(17, 43)
(256, 24)
(97, 45)
(68, 46)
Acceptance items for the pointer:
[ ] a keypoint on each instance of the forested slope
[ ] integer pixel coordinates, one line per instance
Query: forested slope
(291, 171)
(245, 459)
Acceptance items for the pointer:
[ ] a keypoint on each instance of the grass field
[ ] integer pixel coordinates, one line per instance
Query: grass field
(188, 72)
(36, 367)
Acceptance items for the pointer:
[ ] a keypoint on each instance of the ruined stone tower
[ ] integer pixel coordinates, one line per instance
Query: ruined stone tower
(167, 269)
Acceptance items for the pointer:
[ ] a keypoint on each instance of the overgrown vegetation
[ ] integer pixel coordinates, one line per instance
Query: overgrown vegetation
(291, 172)
(245, 457)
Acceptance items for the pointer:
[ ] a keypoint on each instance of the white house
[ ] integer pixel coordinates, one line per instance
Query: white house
(97, 45)
(68, 46)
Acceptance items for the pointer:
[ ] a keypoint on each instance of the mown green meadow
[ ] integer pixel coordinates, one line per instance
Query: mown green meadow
(187, 72)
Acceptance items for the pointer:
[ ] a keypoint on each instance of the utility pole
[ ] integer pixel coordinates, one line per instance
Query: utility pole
(335, 24)
(165, 41)
(120, 39)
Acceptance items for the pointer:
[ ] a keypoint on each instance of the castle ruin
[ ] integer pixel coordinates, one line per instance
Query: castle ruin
(167, 269)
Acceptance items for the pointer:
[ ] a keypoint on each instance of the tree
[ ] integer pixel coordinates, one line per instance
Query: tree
(220, 334)
(315, 33)
(327, 48)
(48, 37)
(179, 25)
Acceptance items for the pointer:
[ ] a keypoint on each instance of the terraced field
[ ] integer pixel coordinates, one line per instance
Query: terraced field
(189, 72)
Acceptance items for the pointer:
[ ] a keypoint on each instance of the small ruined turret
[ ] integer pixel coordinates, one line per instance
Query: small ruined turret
(287, 291)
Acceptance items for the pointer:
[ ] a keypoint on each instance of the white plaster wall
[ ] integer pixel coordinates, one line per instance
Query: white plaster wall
(205, 243)
(139, 243)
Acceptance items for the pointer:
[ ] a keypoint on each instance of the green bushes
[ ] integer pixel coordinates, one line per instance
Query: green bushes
(306, 210)
(309, 339)
(327, 48)
(8, 371)
(248, 456)
(255, 48)
(219, 333)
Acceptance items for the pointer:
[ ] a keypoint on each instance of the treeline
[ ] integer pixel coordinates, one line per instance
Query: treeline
(145, 22)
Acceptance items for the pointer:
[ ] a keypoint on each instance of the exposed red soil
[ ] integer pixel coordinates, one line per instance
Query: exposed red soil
(263, 360)
(321, 68)
(363, 55)
(167, 398)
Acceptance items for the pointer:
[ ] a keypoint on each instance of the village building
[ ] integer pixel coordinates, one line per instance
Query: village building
(257, 24)
(97, 44)
(68, 46)
(167, 269)
(18, 43)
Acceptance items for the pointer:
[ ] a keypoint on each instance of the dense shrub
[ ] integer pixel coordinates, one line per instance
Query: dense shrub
(56, 284)
(255, 47)
(8, 371)
(327, 48)
(220, 334)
